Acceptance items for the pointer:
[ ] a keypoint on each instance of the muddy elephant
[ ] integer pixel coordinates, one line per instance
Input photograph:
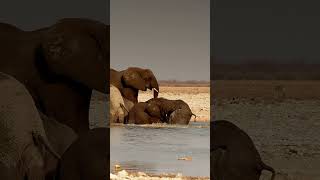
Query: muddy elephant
(133, 79)
(160, 110)
(60, 65)
(24, 144)
(234, 155)
(119, 106)
(87, 158)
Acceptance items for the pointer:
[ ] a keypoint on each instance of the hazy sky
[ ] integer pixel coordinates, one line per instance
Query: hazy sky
(33, 14)
(171, 37)
(271, 29)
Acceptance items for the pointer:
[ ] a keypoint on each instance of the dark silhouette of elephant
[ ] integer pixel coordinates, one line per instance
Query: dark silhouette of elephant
(160, 110)
(60, 65)
(234, 155)
(133, 79)
(24, 145)
(87, 158)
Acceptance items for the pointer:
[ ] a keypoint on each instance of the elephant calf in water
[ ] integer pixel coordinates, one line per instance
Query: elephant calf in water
(160, 110)
(234, 155)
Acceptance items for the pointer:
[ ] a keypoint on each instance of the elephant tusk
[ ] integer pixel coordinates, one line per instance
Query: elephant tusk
(155, 90)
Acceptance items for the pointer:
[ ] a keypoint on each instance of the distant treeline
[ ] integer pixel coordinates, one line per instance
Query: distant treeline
(183, 83)
(265, 71)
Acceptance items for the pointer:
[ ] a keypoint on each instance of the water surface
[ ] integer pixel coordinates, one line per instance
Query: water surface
(155, 149)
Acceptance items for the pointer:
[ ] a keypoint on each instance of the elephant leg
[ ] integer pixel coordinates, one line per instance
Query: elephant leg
(130, 94)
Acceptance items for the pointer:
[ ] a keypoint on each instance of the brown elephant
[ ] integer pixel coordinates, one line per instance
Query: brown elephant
(234, 155)
(160, 110)
(60, 65)
(133, 79)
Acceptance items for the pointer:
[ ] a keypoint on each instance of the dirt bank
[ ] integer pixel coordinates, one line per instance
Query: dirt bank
(284, 129)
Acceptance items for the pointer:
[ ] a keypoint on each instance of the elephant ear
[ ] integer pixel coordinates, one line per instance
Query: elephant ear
(133, 79)
(73, 50)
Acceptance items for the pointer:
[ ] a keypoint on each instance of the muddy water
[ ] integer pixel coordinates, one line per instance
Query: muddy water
(155, 149)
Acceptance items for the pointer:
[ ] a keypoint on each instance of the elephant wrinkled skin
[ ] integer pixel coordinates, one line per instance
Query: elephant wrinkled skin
(23, 141)
(60, 65)
(234, 155)
(133, 79)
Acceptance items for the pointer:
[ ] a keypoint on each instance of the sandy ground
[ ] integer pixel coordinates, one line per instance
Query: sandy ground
(123, 175)
(284, 122)
(198, 98)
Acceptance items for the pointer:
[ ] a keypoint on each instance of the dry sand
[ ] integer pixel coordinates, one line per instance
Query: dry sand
(124, 175)
(198, 98)
(283, 122)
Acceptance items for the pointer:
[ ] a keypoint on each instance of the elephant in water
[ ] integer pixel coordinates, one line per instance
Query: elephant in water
(23, 140)
(160, 110)
(60, 65)
(87, 158)
(234, 155)
(119, 106)
(133, 79)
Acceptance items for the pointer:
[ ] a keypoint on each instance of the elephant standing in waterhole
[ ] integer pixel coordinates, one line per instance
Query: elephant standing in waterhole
(133, 79)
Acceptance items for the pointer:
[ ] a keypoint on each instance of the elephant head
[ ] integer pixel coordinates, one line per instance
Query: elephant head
(77, 50)
(141, 79)
(180, 116)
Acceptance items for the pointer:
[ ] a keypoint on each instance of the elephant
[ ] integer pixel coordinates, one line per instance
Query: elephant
(87, 158)
(119, 106)
(23, 140)
(234, 155)
(161, 110)
(60, 65)
(139, 114)
(133, 79)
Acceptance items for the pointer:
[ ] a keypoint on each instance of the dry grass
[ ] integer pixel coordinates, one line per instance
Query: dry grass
(198, 98)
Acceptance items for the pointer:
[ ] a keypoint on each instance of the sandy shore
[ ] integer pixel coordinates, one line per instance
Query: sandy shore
(285, 129)
(198, 98)
(124, 175)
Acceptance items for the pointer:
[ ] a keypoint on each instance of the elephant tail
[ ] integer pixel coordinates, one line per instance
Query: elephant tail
(38, 139)
(268, 168)
(195, 116)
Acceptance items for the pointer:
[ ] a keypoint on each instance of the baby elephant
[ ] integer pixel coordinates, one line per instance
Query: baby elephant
(234, 155)
(160, 110)
(87, 158)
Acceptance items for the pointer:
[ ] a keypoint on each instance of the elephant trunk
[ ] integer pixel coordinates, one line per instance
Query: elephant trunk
(155, 87)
